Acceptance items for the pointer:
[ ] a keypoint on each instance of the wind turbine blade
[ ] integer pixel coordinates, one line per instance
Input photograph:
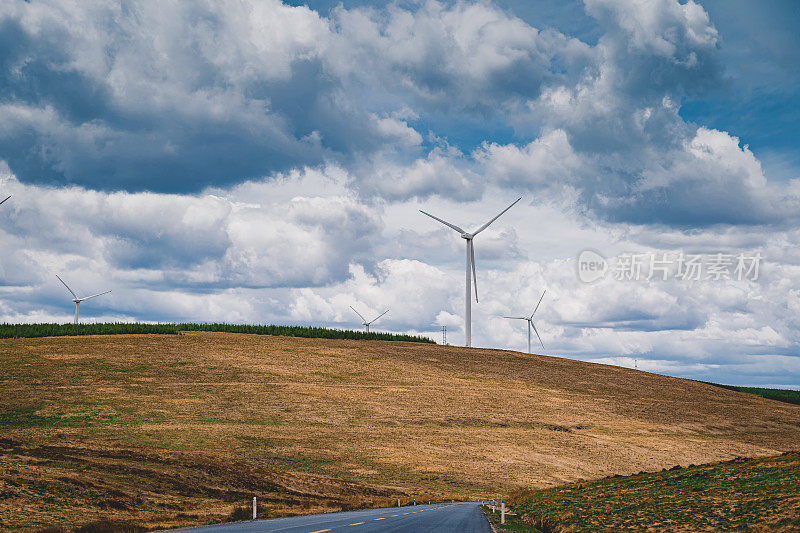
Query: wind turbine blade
(474, 275)
(7, 197)
(498, 216)
(537, 305)
(359, 314)
(377, 317)
(67, 286)
(537, 334)
(443, 222)
(517, 317)
(95, 295)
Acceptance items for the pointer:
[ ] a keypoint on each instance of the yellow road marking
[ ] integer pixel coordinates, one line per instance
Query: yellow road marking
(356, 524)
(320, 531)
(395, 515)
(406, 513)
(379, 519)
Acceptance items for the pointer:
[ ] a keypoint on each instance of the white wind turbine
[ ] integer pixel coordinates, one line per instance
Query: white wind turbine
(470, 266)
(6, 198)
(79, 300)
(364, 320)
(529, 319)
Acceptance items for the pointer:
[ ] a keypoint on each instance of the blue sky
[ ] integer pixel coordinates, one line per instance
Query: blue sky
(265, 162)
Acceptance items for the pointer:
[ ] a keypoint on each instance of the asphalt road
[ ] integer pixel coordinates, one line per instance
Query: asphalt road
(441, 518)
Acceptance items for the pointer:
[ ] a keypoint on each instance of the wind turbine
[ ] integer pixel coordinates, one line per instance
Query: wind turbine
(364, 320)
(7, 197)
(529, 319)
(470, 265)
(79, 300)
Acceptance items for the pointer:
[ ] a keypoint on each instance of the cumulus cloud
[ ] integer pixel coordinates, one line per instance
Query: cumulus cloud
(443, 172)
(617, 140)
(171, 96)
(463, 55)
(549, 162)
(177, 97)
(204, 240)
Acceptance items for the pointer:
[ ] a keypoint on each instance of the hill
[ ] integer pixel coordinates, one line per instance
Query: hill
(178, 429)
(760, 494)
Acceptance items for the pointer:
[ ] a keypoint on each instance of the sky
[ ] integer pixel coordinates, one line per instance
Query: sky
(265, 162)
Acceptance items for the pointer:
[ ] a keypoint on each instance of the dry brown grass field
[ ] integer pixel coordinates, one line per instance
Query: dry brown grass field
(169, 430)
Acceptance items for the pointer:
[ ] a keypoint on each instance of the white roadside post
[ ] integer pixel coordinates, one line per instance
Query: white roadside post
(502, 511)
(398, 502)
(255, 507)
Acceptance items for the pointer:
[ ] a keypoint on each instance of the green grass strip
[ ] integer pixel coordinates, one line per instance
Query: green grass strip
(781, 395)
(16, 331)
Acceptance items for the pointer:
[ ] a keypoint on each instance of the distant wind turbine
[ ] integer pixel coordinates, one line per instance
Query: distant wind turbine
(470, 266)
(79, 300)
(529, 319)
(7, 197)
(364, 320)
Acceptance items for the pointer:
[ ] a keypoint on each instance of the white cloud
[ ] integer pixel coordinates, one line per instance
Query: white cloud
(462, 54)
(659, 27)
(205, 239)
(443, 172)
(549, 161)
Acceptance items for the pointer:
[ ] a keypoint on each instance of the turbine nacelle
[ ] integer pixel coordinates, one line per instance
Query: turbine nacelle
(77, 301)
(531, 325)
(364, 320)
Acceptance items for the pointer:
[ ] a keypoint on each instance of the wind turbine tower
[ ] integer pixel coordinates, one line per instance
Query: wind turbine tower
(470, 266)
(79, 300)
(364, 320)
(529, 319)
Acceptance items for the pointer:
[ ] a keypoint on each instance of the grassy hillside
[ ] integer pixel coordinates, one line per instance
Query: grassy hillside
(112, 486)
(760, 494)
(165, 423)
